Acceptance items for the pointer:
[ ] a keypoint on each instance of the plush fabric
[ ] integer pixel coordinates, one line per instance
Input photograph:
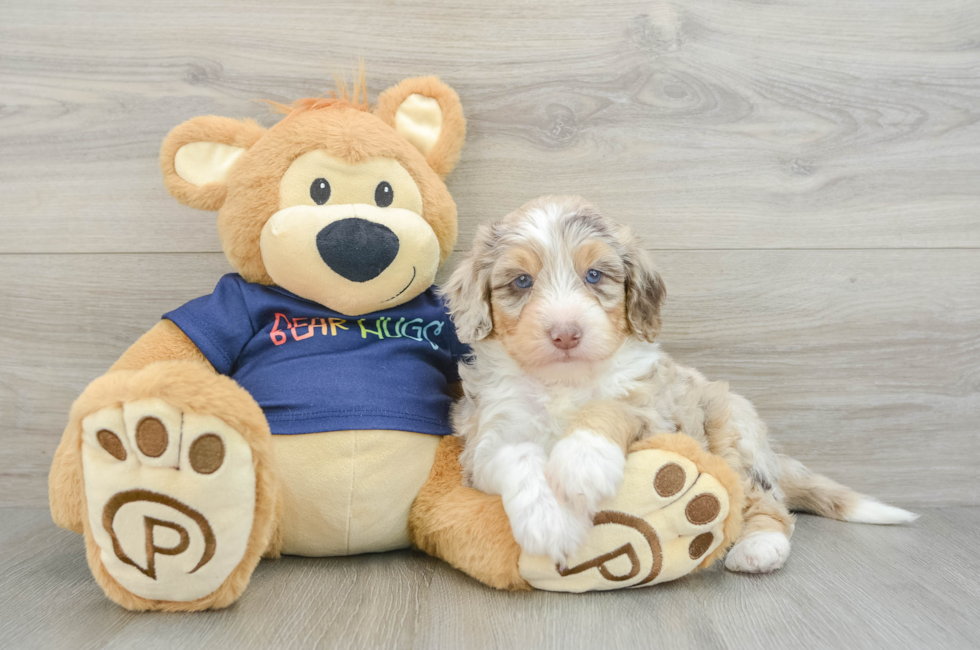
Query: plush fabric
(203, 163)
(641, 537)
(131, 461)
(176, 502)
(348, 492)
(189, 387)
(465, 527)
(241, 134)
(419, 119)
(343, 132)
(444, 155)
(647, 535)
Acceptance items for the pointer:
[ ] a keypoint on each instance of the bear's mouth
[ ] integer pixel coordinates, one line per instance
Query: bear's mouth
(403, 290)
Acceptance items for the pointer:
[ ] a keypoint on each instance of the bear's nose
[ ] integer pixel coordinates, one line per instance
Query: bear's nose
(357, 249)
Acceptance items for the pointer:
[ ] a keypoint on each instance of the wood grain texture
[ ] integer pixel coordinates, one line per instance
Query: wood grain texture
(846, 586)
(794, 164)
(806, 171)
(864, 363)
(710, 124)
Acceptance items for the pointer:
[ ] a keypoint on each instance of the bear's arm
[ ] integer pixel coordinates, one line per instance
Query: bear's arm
(164, 342)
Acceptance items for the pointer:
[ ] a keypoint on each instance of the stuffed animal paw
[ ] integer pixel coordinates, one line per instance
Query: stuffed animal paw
(679, 508)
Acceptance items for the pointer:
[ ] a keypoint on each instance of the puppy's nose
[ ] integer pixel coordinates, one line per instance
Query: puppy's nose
(566, 337)
(357, 249)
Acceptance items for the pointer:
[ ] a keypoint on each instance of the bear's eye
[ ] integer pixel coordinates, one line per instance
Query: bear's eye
(523, 281)
(383, 194)
(320, 191)
(593, 276)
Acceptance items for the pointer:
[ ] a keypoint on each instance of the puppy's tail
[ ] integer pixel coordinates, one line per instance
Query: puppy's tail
(808, 491)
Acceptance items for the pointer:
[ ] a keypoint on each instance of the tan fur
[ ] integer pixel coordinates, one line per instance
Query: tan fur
(190, 387)
(343, 132)
(165, 364)
(273, 551)
(518, 259)
(807, 491)
(445, 154)
(504, 325)
(465, 527)
(208, 128)
(164, 342)
(65, 491)
(614, 420)
(342, 129)
(764, 514)
(586, 255)
(520, 336)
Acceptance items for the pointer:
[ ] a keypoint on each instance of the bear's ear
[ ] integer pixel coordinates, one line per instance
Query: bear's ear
(428, 114)
(196, 156)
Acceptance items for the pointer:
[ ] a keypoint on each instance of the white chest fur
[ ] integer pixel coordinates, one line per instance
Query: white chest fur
(520, 406)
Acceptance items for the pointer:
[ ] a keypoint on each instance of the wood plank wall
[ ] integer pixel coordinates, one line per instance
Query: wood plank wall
(806, 172)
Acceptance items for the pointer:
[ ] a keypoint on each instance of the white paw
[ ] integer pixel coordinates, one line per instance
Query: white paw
(585, 469)
(758, 553)
(171, 498)
(542, 526)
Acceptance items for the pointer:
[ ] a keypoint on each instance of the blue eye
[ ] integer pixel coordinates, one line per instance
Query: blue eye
(593, 276)
(523, 282)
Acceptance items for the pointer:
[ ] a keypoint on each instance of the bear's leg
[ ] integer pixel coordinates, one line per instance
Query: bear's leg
(679, 509)
(465, 527)
(168, 473)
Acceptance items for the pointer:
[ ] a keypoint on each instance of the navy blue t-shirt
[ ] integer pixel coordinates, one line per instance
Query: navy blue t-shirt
(312, 369)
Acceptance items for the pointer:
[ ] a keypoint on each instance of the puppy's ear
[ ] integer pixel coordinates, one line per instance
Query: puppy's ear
(197, 155)
(645, 291)
(427, 113)
(468, 291)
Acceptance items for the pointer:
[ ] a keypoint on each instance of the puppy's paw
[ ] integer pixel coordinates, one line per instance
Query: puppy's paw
(758, 553)
(585, 469)
(542, 526)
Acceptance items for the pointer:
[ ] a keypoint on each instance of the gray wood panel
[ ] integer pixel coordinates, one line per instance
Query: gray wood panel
(804, 169)
(866, 364)
(845, 586)
(708, 124)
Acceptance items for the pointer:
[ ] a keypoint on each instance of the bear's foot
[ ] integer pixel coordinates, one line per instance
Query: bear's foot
(179, 497)
(678, 509)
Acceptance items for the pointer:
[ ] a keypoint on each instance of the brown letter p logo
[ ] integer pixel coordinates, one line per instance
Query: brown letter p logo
(151, 524)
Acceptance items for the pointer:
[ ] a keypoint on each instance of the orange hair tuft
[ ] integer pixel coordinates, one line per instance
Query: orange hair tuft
(342, 97)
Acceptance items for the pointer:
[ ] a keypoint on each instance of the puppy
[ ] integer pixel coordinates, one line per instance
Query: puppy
(562, 309)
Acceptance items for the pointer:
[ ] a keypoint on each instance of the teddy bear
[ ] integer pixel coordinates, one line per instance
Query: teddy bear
(303, 406)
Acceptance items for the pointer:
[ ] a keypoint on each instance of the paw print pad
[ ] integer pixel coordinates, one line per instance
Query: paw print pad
(170, 496)
(665, 519)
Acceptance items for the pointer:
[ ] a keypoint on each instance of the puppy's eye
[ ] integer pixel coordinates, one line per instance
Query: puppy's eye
(523, 281)
(320, 191)
(593, 276)
(383, 194)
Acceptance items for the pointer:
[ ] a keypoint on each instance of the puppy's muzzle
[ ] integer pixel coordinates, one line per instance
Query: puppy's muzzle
(357, 249)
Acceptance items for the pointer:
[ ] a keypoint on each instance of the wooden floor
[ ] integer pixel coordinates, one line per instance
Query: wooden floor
(846, 586)
(806, 172)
